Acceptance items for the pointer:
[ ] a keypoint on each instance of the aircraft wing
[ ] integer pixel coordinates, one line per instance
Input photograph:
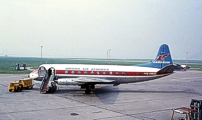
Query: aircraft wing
(92, 80)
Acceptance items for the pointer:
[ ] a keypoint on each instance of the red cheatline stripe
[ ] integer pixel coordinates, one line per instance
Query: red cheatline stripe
(114, 73)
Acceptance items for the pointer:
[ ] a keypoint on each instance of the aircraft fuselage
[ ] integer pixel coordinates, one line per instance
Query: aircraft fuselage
(111, 74)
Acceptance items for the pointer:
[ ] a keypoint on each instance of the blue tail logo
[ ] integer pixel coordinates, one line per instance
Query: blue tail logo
(162, 59)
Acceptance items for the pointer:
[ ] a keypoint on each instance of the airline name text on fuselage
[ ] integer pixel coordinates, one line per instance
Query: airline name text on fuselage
(92, 69)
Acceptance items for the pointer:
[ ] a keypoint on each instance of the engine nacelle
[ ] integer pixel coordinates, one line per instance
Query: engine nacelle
(67, 81)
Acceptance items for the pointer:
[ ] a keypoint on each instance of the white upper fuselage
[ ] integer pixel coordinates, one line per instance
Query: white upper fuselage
(84, 67)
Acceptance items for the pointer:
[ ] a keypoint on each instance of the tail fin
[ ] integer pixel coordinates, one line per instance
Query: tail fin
(162, 59)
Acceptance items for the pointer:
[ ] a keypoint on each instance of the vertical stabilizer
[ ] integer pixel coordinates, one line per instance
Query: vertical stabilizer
(162, 59)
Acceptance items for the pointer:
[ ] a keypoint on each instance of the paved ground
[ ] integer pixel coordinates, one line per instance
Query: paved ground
(151, 100)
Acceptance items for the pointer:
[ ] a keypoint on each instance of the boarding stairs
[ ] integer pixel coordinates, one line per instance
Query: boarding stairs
(48, 84)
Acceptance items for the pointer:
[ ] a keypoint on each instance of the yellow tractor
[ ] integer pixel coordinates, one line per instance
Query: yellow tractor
(15, 86)
(26, 83)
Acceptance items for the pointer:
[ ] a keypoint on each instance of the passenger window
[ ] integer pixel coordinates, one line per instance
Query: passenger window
(66, 71)
(85, 72)
(110, 72)
(91, 72)
(123, 73)
(98, 72)
(117, 73)
(72, 72)
(104, 73)
(79, 72)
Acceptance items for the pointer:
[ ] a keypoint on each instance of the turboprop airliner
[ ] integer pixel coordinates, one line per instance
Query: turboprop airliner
(87, 76)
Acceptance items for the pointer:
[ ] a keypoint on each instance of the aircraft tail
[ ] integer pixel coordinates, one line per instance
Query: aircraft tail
(162, 59)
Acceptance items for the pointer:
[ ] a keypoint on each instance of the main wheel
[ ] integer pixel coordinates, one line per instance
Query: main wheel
(87, 91)
(92, 86)
(10, 90)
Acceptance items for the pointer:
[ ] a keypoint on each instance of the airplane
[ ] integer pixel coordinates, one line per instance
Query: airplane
(87, 76)
(181, 67)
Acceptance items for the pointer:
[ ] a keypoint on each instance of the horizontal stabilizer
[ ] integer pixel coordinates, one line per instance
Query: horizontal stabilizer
(166, 69)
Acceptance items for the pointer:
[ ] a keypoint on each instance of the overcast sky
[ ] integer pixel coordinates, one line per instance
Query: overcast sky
(132, 29)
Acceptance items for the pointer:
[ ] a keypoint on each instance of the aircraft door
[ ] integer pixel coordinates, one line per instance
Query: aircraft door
(51, 74)
(51, 71)
(42, 71)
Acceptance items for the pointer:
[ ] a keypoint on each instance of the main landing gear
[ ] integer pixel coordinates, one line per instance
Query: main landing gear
(88, 88)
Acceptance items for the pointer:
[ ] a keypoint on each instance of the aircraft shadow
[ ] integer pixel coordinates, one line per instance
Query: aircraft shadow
(104, 94)
(109, 94)
(106, 91)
